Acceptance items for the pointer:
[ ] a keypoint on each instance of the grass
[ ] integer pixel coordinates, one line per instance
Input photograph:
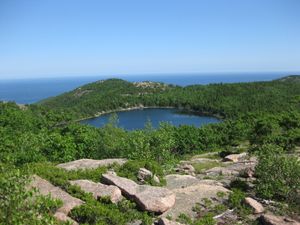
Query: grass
(200, 167)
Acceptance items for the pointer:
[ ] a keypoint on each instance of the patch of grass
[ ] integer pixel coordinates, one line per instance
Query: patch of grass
(200, 167)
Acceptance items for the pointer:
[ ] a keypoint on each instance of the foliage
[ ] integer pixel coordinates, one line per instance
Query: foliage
(17, 204)
(278, 174)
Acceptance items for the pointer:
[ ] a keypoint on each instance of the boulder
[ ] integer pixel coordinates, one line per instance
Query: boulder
(255, 205)
(235, 157)
(148, 198)
(144, 174)
(270, 219)
(90, 163)
(99, 190)
(46, 188)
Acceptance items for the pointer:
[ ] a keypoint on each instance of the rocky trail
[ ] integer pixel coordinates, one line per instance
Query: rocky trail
(196, 185)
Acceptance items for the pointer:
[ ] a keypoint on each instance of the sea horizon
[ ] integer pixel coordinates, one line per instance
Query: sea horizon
(32, 90)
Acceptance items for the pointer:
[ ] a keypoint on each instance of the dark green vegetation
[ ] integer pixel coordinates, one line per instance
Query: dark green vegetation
(33, 139)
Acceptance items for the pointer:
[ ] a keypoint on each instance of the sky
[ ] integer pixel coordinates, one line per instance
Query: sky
(44, 38)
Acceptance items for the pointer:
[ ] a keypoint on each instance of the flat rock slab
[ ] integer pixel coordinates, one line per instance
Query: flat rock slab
(187, 197)
(270, 219)
(46, 188)
(148, 198)
(90, 163)
(99, 190)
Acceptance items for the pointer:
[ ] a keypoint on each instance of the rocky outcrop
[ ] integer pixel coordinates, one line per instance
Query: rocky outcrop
(99, 190)
(148, 198)
(255, 205)
(90, 163)
(270, 219)
(46, 188)
(235, 157)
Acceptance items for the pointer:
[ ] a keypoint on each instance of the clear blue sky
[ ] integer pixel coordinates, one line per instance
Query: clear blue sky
(41, 38)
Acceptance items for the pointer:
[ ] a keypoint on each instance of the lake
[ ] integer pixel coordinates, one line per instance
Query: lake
(136, 119)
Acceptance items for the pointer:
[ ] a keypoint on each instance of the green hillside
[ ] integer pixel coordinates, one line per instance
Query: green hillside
(225, 100)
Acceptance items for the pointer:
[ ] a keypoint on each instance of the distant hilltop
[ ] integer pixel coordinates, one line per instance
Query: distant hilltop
(290, 78)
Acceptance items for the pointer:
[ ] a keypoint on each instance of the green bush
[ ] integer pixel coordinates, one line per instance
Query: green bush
(278, 175)
(17, 204)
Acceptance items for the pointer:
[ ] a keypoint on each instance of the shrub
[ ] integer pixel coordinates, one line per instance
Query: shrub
(17, 205)
(278, 175)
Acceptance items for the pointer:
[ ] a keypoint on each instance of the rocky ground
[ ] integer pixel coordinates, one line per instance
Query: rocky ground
(196, 186)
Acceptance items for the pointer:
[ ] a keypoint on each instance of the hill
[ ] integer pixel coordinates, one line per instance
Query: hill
(223, 100)
(291, 78)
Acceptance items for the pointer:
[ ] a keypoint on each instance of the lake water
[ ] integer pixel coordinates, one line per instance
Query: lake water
(33, 90)
(136, 119)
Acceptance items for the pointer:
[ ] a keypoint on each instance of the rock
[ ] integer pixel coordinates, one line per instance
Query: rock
(247, 173)
(180, 181)
(235, 157)
(188, 196)
(45, 188)
(270, 219)
(216, 171)
(64, 218)
(255, 205)
(148, 198)
(186, 169)
(165, 221)
(144, 174)
(99, 190)
(156, 179)
(175, 181)
(90, 163)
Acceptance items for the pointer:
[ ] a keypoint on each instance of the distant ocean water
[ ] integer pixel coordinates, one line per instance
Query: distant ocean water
(33, 90)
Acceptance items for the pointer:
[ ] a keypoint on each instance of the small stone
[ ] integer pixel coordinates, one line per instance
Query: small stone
(156, 179)
(235, 157)
(255, 205)
(144, 174)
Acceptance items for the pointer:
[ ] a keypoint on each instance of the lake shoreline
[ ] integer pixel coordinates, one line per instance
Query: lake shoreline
(141, 107)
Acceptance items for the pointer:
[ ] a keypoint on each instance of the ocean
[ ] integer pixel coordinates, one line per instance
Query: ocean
(27, 91)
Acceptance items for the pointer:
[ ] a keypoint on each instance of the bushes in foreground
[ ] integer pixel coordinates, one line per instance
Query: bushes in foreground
(17, 204)
(278, 174)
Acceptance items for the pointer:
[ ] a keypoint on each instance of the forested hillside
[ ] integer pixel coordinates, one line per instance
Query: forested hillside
(261, 119)
(225, 100)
